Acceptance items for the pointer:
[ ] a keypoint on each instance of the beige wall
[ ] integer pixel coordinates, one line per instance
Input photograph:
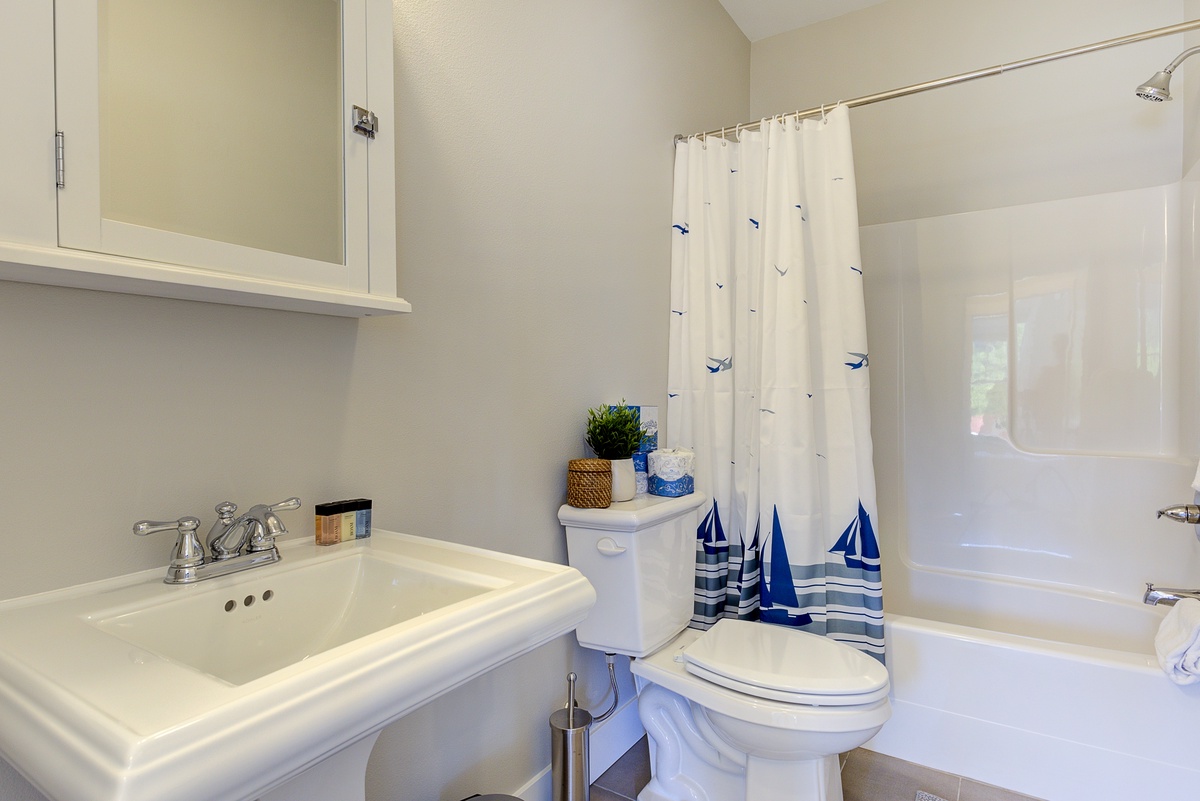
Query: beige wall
(534, 173)
(1062, 129)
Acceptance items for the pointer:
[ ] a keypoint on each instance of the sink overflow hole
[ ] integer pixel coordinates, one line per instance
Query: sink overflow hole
(249, 600)
(268, 595)
(230, 606)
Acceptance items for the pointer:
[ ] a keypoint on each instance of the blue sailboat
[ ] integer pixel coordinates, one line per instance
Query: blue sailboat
(711, 532)
(858, 545)
(778, 588)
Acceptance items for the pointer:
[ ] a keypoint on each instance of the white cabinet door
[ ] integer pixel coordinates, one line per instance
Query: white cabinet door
(216, 135)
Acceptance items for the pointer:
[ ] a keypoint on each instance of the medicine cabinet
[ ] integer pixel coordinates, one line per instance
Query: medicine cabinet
(212, 150)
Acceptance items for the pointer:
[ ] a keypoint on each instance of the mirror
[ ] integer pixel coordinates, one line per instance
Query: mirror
(222, 119)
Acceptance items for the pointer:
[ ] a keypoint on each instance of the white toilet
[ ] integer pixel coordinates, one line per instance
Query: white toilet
(742, 712)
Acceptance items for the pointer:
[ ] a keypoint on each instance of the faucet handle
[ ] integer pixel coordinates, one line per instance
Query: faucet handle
(144, 527)
(188, 551)
(268, 526)
(284, 506)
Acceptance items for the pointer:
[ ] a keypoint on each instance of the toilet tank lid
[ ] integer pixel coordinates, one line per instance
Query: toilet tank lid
(789, 660)
(642, 512)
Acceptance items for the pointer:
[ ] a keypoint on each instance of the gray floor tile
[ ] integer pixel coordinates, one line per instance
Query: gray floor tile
(629, 774)
(868, 776)
(600, 794)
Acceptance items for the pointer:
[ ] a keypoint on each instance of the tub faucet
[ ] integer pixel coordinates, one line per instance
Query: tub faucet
(1184, 513)
(1167, 595)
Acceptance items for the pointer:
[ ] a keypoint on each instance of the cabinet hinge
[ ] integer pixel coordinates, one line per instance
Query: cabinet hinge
(365, 122)
(59, 169)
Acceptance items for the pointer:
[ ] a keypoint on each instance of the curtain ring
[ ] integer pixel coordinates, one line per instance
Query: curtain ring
(823, 113)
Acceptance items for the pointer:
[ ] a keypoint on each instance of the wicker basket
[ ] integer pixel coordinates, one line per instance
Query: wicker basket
(589, 483)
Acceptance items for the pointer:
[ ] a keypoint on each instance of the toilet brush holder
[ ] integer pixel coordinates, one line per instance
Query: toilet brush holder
(569, 749)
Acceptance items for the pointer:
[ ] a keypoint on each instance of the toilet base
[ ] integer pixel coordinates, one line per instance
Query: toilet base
(691, 762)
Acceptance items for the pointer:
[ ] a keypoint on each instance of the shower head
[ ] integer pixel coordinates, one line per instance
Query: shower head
(1158, 88)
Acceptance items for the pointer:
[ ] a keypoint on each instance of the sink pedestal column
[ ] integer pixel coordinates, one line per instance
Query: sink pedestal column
(342, 776)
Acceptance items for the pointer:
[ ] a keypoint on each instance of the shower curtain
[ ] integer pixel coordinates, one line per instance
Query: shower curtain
(768, 379)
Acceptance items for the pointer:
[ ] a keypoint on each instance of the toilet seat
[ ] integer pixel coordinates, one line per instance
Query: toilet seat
(667, 668)
(783, 664)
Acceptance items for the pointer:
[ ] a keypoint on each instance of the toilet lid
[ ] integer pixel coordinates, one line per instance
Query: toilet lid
(785, 664)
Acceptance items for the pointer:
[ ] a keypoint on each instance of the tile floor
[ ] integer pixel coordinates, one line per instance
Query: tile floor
(626, 778)
(866, 776)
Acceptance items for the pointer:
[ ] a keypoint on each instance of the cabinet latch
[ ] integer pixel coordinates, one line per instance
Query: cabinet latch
(365, 122)
(60, 176)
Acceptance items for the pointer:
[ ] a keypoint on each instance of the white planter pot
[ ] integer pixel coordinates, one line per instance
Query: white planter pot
(624, 481)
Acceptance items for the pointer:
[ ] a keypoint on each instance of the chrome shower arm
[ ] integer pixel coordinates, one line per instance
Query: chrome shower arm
(1181, 58)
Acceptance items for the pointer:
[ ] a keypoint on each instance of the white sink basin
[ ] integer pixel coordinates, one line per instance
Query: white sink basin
(134, 690)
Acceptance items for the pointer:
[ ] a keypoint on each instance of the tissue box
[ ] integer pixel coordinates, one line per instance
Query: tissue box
(641, 475)
(671, 473)
(648, 416)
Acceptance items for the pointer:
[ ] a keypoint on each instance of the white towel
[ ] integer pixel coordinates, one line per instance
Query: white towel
(1178, 642)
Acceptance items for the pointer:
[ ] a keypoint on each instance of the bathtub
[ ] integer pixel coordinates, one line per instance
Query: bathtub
(1078, 712)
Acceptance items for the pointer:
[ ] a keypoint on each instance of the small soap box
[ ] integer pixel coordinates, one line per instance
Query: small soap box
(342, 521)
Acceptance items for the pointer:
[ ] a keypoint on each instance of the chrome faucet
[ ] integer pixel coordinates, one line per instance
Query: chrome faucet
(1184, 513)
(1167, 595)
(255, 532)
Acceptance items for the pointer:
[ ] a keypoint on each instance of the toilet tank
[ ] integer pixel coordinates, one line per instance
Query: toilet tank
(640, 557)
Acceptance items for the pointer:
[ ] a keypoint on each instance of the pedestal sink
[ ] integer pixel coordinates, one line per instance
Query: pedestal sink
(268, 684)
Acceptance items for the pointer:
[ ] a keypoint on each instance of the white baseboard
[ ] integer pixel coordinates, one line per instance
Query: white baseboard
(611, 739)
(607, 742)
(539, 788)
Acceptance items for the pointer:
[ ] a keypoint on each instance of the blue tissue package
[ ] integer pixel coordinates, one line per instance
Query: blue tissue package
(684, 485)
(640, 473)
(648, 417)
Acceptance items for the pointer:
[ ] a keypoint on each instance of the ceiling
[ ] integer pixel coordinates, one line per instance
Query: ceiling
(759, 19)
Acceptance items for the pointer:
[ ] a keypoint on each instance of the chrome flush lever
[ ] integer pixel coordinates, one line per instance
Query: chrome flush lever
(1186, 513)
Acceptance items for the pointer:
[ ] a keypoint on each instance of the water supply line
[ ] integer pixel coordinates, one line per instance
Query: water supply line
(612, 682)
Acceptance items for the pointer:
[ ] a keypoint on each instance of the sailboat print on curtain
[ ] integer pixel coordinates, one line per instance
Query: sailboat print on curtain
(840, 598)
(727, 574)
(779, 587)
(858, 545)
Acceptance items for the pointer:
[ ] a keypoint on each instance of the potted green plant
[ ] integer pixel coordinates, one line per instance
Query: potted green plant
(615, 433)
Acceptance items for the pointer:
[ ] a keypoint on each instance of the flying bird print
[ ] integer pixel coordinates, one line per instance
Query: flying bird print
(720, 364)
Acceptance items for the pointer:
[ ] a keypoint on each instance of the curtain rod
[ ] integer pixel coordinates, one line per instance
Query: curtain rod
(962, 77)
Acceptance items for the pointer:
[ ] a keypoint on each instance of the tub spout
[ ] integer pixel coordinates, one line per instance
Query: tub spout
(1186, 513)
(1167, 595)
